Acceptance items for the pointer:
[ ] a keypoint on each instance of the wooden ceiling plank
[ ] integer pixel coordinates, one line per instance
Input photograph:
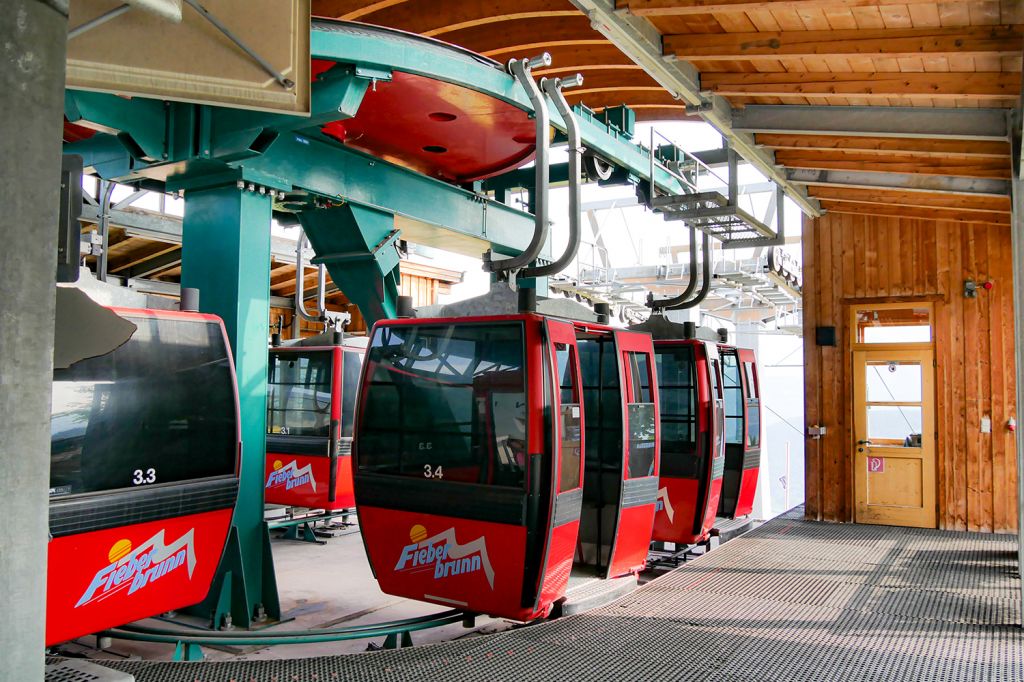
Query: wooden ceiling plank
(987, 40)
(886, 145)
(653, 8)
(873, 85)
(898, 197)
(915, 212)
(895, 163)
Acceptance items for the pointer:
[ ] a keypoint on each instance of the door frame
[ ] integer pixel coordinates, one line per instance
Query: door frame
(853, 346)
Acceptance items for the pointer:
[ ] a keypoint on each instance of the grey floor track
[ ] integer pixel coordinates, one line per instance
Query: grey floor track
(791, 601)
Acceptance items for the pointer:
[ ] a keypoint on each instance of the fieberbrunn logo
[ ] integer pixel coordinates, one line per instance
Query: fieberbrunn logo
(290, 475)
(445, 555)
(134, 569)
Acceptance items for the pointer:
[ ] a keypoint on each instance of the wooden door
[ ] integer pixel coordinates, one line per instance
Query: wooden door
(894, 437)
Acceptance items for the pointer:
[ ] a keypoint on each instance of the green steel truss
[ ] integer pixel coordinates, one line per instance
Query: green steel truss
(233, 163)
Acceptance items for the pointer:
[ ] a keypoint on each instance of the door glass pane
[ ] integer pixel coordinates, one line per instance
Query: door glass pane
(894, 325)
(572, 439)
(641, 439)
(894, 425)
(571, 435)
(893, 381)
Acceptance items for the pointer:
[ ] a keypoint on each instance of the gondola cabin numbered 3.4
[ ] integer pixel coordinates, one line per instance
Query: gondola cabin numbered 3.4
(310, 405)
(143, 474)
(496, 455)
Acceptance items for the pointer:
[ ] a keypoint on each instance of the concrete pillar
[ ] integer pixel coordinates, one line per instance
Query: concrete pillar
(32, 53)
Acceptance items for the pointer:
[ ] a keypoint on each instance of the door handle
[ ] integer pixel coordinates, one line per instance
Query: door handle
(863, 442)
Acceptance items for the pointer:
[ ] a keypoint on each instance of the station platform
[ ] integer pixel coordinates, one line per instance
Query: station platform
(791, 600)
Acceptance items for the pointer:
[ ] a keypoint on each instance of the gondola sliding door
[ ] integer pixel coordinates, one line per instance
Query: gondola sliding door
(641, 431)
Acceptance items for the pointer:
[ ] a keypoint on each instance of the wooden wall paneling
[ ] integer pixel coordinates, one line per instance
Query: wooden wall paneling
(812, 374)
(850, 258)
(972, 387)
(958, 432)
(943, 378)
(843, 370)
(840, 366)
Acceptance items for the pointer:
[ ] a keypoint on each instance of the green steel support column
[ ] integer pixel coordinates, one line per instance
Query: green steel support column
(226, 255)
(357, 244)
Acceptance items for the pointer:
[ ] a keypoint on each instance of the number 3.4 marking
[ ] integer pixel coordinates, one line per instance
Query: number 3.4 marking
(433, 472)
(140, 477)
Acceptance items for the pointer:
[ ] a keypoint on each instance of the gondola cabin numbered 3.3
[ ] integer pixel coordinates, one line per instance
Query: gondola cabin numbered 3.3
(485, 473)
(310, 405)
(144, 451)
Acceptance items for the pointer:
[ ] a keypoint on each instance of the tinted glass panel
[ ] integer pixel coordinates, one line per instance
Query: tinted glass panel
(753, 424)
(572, 436)
(351, 366)
(299, 393)
(602, 403)
(734, 402)
(159, 409)
(446, 402)
(641, 439)
(677, 393)
(752, 391)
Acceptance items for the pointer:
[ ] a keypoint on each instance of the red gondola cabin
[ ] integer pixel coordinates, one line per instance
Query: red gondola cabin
(495, 454)
(143, 474)
(310, 404)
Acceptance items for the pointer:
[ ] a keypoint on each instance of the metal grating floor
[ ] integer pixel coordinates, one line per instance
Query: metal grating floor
(790, 601)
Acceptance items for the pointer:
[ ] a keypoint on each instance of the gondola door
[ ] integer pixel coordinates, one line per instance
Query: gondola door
(752, 432)
(567, 428)
(641, 438)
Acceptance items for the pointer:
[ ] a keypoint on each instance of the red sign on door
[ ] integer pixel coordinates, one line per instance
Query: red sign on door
(876, 465)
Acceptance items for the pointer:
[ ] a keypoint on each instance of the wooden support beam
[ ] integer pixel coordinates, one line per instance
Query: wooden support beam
(894, 197)
(569, 59)
(963, 41)
(350, 10)
(964, 167)
(669, 8)
(885, 145)
(931, 85)
(916, 212)
(631, 97)
(439, 18)
(525, 37)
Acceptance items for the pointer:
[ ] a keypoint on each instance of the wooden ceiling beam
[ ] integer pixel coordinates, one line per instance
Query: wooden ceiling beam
(909, 198)
(885, 145)
(963, 41)
(916, 212)
(610, 97)
(955, 86)
(527, 37)
(350, 10)
(438, 18)
(677, 8)
(895, 162)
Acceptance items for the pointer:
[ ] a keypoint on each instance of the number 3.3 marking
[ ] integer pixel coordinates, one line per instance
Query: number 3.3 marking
(433, 472)
(140, 477)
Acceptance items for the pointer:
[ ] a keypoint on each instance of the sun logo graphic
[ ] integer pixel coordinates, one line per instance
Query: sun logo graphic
(444, 555)
(134, 569)
(290, 475)
(664, 504)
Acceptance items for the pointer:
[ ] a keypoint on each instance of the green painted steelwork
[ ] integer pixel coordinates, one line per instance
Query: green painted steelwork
(226, 255)
(226, 247)
(397, 634)
(358, 246)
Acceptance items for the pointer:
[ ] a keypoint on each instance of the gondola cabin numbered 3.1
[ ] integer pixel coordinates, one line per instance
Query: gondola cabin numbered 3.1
(310, 405)
(143, 474)
(485, 473)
